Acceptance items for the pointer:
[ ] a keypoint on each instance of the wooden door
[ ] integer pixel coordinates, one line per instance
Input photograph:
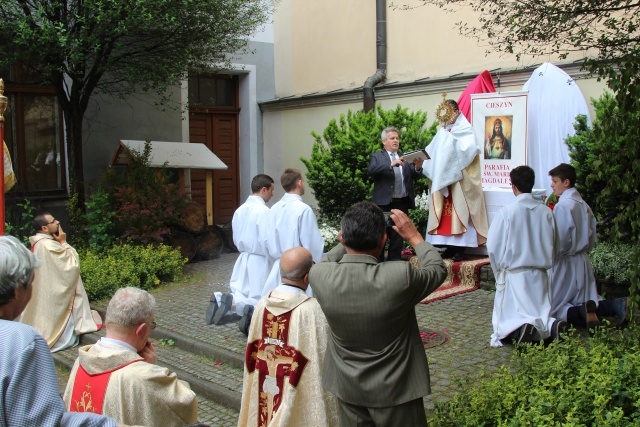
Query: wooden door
(219, 132)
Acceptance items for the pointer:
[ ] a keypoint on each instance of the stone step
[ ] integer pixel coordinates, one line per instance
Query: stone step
(193, 345)
(210, 377)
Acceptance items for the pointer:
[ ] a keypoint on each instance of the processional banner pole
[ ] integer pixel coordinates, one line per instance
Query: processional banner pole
(3, 107)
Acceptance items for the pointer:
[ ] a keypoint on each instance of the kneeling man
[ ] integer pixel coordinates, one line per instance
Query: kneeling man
(285, 353)
(59, 309)
(118, 376)
(522, 244)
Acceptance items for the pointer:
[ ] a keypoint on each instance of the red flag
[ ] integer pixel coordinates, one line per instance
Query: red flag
(481, 84)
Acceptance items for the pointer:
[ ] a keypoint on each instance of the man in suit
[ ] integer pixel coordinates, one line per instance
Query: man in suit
(393, 184)
(375, 362)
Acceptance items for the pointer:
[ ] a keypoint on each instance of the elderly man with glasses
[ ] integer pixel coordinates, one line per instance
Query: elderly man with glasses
(118, 376)
(59, 309)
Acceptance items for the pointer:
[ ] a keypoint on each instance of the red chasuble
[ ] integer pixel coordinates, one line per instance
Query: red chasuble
(89, 390)
(444, 227)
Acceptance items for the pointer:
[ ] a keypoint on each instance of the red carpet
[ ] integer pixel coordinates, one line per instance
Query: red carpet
(463, 276)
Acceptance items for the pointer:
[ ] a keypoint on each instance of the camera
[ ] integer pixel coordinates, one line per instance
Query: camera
(388, 220)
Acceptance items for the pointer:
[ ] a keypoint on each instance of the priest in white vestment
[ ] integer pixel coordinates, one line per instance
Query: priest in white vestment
(118, 376)
(282, 383)
(457, 213)
(521, 245)
(59, 309)
(575, 296)
(252, 267)
(290, 223)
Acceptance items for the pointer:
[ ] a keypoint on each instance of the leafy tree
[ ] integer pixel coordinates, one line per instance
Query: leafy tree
(120, 47)
(337, 168)
(607, 161)
(615, 203)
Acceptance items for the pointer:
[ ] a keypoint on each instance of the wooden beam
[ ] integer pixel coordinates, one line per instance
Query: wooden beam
(209, 197)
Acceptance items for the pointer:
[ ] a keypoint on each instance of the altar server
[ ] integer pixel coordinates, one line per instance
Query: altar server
(522, 244)
(252, 266)
(290, 223)
(575, 296)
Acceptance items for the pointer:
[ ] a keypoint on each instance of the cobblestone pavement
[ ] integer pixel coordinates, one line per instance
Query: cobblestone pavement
(465, 320)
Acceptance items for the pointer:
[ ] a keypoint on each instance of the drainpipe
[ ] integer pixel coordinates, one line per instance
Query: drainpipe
(381, 56)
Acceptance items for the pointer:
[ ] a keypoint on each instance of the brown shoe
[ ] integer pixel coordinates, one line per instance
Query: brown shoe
(588, 313)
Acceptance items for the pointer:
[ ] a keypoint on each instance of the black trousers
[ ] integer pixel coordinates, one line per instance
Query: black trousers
(409, 414)
(605, 309)
(394, 253)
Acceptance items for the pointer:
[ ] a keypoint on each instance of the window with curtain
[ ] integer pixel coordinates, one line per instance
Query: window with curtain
(34, 135)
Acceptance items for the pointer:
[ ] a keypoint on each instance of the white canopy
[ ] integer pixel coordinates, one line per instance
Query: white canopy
(554, 102)
(179, 155)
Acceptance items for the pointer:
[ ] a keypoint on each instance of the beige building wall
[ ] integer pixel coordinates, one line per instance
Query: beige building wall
(329, 46)
(287, 137)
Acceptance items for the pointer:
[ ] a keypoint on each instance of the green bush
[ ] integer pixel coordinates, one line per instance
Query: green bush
(613, 261)
(77, 222)
(337, 168)
(570, 383)
(137, 204)
(607, 161)
(100, 221)
(20, 223)
(144, 267)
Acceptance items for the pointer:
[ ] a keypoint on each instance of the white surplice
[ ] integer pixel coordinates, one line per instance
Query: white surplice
(452, 150)
(521, 245)
(572, 278)
(289, 223)
(252, 267)
(454, 168)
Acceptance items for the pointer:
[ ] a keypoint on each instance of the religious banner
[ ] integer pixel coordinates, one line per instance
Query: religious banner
(9, 176)
(500, 125)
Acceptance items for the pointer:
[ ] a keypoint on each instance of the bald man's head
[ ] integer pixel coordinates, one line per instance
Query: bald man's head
(295, 264)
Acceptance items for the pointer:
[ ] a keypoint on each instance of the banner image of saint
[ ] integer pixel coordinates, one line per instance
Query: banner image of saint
(500, 125)
(497, 141)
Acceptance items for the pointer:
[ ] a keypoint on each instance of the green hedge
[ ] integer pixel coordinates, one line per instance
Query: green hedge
(144, 267)
(571, 383)
(605, 156)
(613, 261)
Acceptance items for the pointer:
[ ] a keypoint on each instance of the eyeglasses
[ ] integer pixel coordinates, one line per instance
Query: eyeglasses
(52, 221)
(153, 325)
